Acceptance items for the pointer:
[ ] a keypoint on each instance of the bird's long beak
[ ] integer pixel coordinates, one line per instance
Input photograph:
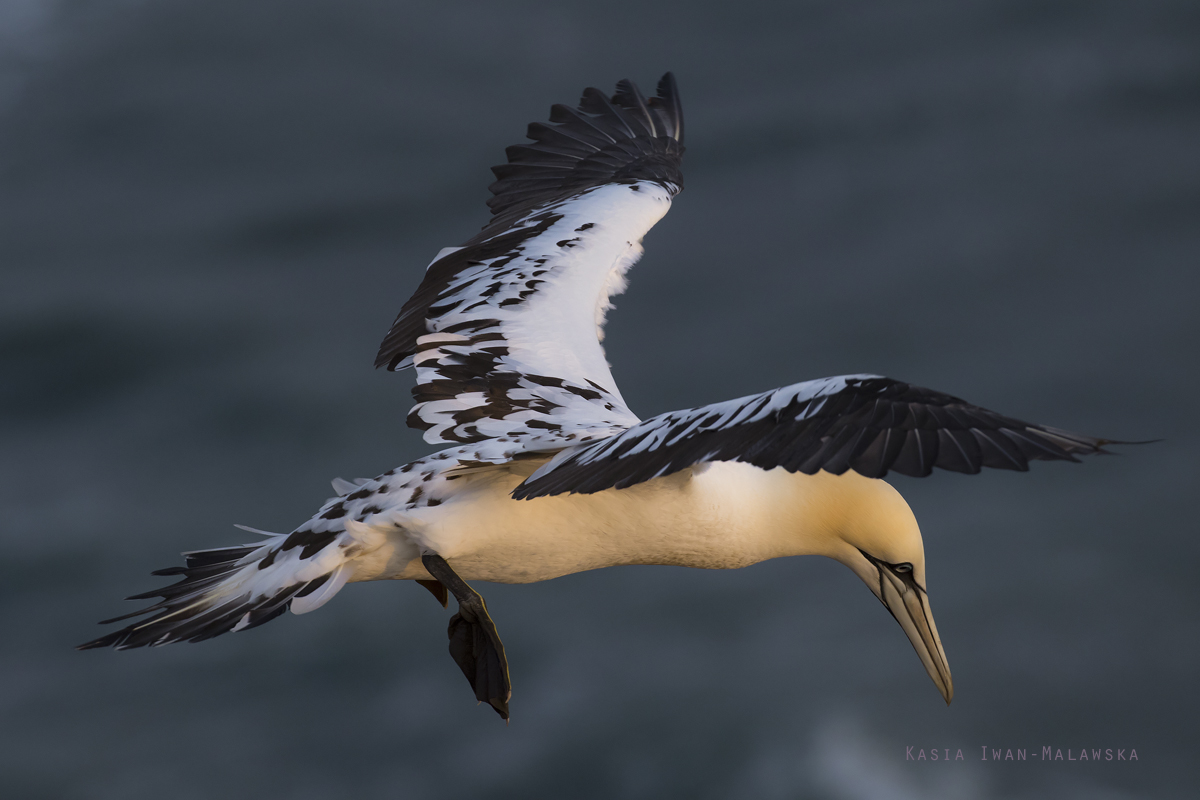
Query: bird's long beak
(910, 606)
(896, 587)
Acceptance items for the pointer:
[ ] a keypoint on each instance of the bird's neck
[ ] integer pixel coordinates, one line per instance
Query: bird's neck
(777, 513)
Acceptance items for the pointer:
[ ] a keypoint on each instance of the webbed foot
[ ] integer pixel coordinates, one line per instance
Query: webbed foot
(474, 643)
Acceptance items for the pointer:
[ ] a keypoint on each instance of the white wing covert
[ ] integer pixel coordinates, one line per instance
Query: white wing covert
(505, 331)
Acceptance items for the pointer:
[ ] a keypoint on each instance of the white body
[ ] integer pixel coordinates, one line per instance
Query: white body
(723, 515)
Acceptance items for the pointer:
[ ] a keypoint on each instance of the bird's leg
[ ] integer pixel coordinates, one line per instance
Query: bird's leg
(474, 643)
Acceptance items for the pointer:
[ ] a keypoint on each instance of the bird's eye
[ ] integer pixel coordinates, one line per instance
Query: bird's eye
(905, 567)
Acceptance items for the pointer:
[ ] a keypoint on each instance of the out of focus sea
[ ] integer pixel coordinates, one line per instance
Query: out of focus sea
(211, 211)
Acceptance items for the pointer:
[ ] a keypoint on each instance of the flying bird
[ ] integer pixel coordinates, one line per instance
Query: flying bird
(547, 471)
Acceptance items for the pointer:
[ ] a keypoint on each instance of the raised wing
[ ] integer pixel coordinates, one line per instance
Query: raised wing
(866, 423)
(505, 331)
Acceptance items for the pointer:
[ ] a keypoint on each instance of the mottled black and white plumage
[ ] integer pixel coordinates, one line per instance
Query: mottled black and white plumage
(505, 331)
(549, 472)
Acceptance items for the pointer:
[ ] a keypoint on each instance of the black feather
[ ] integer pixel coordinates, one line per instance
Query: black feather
(870, 424)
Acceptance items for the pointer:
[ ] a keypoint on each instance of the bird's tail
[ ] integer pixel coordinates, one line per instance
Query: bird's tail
(235, 588)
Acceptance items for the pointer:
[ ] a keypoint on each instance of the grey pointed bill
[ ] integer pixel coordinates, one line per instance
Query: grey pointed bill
(909, 604)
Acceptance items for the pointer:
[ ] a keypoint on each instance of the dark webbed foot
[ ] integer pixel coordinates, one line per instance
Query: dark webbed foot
(476, 647)
(474, 643)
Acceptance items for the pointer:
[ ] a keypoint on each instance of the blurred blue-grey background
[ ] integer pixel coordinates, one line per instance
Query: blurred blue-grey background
(211, 211)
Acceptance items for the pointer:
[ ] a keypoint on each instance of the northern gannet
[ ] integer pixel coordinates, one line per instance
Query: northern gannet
(548, 472)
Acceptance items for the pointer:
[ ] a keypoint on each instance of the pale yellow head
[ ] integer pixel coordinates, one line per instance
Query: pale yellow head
(865, 524)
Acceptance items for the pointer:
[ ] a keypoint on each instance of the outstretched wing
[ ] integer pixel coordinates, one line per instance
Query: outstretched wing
(505, 331)
(866, 423)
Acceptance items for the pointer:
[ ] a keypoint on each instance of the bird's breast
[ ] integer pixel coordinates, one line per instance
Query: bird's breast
(677, 520)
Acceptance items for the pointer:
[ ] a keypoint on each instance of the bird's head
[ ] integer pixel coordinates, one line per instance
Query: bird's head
(871, 529)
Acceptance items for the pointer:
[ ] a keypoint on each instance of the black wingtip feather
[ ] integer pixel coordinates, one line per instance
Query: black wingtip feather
(872, 425)
(668, 101)
(629, 137)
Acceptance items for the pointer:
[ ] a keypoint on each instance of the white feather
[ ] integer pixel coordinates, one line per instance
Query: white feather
(311, 602)
(247, 529)
(445, 251)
